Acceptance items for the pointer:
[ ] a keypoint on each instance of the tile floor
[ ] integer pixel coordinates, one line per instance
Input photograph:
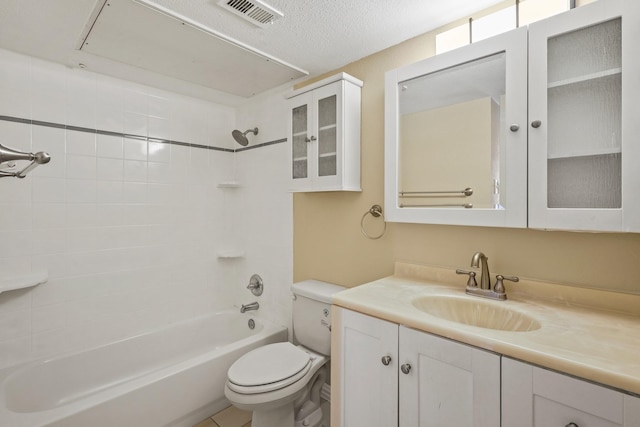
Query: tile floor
(229, 417)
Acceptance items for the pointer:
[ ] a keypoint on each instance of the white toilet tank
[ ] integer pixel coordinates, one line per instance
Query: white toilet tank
(312, 314)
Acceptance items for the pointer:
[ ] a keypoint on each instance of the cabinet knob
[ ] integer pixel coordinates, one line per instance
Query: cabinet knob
(386, 360)
(313, 138)
(536, 124)
(406, 368)
(514, 128)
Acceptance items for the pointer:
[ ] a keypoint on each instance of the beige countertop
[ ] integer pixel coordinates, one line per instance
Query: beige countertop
(587, 333)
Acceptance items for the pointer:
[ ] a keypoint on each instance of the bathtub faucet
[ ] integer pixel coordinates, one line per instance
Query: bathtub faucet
(250, 306)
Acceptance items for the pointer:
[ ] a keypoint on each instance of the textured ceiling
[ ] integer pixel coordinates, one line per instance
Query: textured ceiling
(314, 35)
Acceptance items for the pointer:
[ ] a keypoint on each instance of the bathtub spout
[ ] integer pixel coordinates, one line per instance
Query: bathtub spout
(249, 307)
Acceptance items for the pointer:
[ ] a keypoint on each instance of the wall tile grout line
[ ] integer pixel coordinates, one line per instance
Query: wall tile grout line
(133, 136)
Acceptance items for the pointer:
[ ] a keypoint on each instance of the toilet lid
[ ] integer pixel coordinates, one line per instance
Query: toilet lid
(269, 364)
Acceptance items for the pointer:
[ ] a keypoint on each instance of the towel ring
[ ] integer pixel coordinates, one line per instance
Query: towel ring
(375, 211)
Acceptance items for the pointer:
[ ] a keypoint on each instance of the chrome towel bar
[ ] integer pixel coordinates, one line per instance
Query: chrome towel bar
(435, 205)
(420, 194)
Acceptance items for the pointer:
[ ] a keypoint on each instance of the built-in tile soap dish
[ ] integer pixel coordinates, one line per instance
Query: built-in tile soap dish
(229, 184)
(25, 281)
(230, 254)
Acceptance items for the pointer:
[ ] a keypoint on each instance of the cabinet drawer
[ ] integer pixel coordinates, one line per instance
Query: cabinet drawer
(536, 397)
(548, 413)
(576, 396)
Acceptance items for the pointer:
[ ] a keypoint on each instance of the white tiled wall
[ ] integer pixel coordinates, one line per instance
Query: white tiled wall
(128, 229)
(263, 208)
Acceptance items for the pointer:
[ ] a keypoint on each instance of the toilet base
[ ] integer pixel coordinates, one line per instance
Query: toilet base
(278, 417)
(313, 419)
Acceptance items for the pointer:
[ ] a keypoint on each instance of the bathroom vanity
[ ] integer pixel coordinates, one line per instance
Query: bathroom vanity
(412, 349)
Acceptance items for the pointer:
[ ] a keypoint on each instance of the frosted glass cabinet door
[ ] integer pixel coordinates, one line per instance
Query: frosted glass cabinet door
(327, 151)
(300, 134)
(579, 153)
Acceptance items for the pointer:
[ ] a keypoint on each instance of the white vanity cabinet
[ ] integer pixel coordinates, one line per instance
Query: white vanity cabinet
(536, 397)
(324, 135)
(389, 375)
(583, 118)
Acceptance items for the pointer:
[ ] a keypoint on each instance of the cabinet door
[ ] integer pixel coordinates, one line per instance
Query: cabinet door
(455, 136)
(364, 385)
(535, 397)
(326, 145)
(316, 139)
(582, 137)
(301, 131)
(448, 384)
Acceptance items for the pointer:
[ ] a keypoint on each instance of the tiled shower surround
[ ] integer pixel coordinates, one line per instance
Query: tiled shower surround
(128, 217)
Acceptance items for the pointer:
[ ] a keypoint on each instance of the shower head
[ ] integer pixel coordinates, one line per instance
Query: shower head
(241, 137)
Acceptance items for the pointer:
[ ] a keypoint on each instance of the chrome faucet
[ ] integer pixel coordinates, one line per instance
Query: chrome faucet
(249, 307)
(480, 260)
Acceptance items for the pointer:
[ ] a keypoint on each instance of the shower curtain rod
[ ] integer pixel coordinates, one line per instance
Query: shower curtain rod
(8, 156)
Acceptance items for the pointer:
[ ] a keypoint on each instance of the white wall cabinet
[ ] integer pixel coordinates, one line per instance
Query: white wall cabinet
(536, 397)
(583, 144)
(390, 375)
(324, 135)
(577, 114)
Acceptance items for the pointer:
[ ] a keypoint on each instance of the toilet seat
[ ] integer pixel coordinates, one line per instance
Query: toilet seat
(269, 368)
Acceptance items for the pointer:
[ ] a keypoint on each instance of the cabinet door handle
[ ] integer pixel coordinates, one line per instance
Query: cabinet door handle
(536, 124)
(386, 360)
(406, 368)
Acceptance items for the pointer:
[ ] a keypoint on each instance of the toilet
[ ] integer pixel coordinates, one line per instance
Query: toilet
(281, 383)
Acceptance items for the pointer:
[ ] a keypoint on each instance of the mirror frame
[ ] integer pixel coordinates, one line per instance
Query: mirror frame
(514, 45)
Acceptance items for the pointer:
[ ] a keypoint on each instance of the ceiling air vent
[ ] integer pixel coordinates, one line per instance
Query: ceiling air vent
(253, 11)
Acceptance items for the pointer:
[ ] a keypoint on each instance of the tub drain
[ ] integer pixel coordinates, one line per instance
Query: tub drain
(252, 324)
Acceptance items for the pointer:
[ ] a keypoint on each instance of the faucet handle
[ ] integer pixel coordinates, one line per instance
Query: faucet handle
(499, 286)
(256, 285)
(471, 283)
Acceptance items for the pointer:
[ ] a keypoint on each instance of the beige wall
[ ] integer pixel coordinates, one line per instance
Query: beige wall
(328, 244)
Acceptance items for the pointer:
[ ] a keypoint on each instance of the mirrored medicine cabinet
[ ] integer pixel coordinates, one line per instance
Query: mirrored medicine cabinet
(536, 127)
(455, 152)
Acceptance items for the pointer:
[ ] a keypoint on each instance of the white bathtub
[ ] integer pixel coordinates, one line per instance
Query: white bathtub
(169, 377)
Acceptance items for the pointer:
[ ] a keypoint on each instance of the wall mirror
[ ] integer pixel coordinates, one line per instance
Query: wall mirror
(454, 150)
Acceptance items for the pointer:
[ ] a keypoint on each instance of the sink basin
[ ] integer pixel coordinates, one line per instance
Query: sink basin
(476, 312)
